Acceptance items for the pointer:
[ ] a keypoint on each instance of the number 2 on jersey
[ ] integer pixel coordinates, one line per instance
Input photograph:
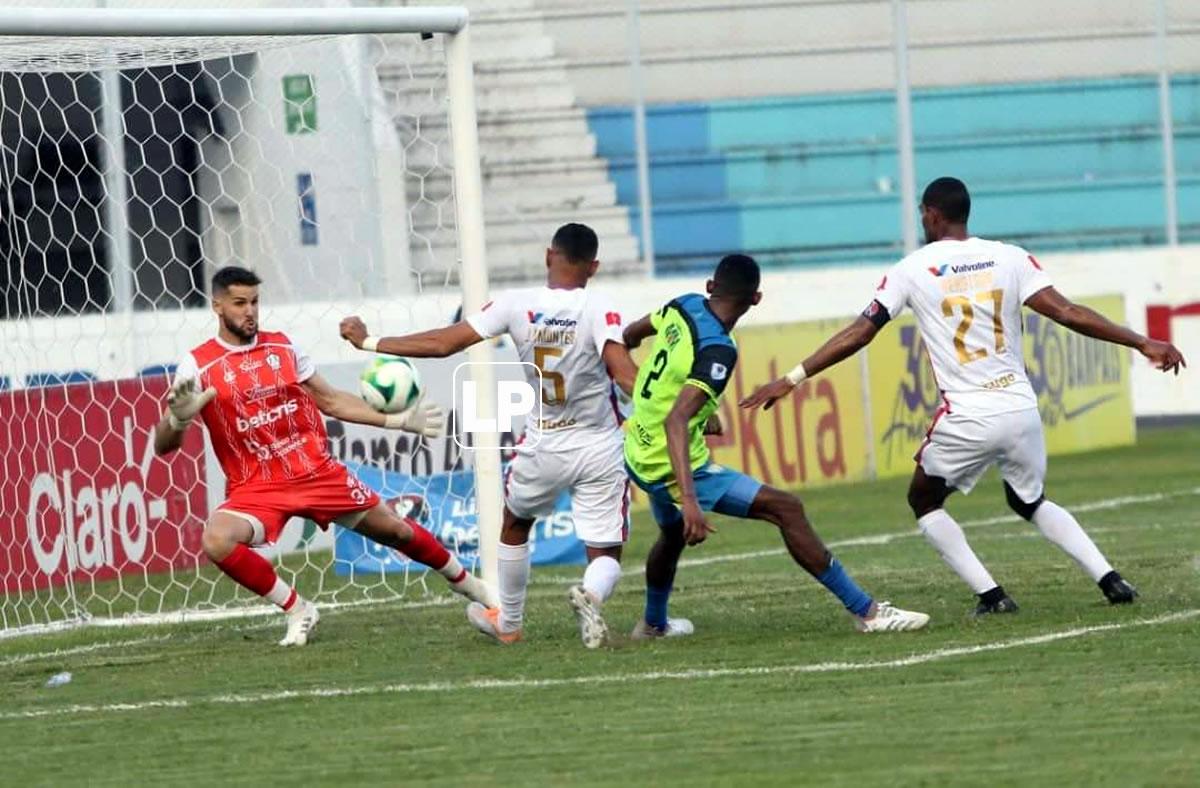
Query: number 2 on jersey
(967, 310)
(658, 366)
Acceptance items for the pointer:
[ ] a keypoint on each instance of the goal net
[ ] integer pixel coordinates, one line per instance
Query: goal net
(142, 151)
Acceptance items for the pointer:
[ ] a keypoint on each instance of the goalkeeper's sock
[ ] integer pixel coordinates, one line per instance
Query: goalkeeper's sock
(426, 549)
(249, 569)
(601, 576)
(514, 577)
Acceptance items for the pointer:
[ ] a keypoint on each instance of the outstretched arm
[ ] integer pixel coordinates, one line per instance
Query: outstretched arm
(839, 347)
(691, 400)
(424, 418)
(437, 343)
(1087, 321)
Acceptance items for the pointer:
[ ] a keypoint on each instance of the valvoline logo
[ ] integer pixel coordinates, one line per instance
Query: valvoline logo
(561, 322)
(534, 316)
(965, 268)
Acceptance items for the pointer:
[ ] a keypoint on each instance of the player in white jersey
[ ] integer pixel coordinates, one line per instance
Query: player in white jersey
(967, 294)
(572, 334)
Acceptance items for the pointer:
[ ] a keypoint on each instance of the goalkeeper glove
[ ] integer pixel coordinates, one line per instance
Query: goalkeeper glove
(423, 418)
(184, 402)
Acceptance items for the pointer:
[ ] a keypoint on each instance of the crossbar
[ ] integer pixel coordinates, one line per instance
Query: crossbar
(144, 22)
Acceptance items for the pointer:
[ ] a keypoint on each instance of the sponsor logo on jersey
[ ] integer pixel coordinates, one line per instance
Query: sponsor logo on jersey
(561, 322)
(965, 268)
(270, 416)
(249, 364)
(258, 392)
(612, 318)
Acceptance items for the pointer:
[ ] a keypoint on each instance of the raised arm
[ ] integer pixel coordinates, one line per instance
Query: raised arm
(637, 331)
(436, 343)
(837, 348)
(1087, 321)
(691, 400)
(183, 403)
(424, 418)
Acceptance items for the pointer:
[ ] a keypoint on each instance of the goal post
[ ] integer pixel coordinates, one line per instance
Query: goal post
(141, 149)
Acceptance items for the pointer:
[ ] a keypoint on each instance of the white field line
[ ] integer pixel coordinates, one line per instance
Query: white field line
(249, 611)
(595, 679)
(887, 538)
(19, 659)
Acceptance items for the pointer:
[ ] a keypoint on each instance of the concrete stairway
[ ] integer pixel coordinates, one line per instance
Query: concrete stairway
(540, 168)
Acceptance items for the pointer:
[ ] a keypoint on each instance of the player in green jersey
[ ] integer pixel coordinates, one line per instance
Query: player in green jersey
(678, 388)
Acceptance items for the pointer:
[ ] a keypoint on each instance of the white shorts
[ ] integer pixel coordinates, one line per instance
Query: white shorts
(960, 448)
(595, 477)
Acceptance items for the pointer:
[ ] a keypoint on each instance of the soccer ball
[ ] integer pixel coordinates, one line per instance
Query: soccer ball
(390, 384)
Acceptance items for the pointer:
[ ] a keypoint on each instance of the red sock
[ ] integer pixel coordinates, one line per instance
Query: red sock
(251, 570)
(425, 548)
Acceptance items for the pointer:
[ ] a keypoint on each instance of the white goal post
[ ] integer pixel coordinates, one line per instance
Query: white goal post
(130, 315)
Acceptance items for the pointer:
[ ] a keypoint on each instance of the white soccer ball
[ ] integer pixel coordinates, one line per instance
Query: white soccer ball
(390, 384)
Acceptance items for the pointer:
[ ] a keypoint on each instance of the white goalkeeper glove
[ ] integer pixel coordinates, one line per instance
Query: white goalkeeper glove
(184, 402)
(423, 418)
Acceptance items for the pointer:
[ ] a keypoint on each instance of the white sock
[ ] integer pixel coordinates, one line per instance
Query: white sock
(453, 570)
(1057, 525)
(282, 593)
(514, 577)
(601, 576)
(948, 539)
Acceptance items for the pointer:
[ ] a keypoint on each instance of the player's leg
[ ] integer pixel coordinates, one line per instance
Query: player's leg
(927, 497)
(383, 526)
(956, 453)
(786, 512)
(1024, 470)
(531, 486)
(226, 541)
(504, 623)
(600, 509)
(660, 573)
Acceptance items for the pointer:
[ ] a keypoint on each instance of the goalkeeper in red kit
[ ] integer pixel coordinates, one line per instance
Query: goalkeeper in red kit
(262, 402)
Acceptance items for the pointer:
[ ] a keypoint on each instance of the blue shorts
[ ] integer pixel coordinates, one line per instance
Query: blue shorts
(718, 489)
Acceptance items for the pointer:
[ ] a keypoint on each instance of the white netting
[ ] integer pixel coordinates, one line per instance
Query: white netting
(320, 164)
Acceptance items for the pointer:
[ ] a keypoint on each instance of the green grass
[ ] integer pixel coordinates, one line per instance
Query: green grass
(1112, 707)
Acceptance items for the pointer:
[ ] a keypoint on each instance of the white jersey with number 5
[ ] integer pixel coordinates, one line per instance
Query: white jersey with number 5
(562, 333)
(967, 298)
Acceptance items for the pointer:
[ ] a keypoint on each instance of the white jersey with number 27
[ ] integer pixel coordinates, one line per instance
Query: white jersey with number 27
(562, 333)
(967, 298)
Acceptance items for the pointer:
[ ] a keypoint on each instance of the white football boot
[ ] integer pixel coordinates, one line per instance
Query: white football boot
(592, 629)
(891, 619)
(302, 623)
(676, 627)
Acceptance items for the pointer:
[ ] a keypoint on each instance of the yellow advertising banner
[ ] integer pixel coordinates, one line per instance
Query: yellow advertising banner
(1082, 385)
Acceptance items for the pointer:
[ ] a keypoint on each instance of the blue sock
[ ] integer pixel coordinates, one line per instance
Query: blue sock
(844, 588)
(656, 606)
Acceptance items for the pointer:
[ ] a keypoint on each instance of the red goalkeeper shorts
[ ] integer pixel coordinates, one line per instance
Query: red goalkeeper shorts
(324, 497)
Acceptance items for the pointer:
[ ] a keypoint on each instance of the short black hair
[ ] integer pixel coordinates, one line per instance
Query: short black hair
(577, 242)
(737, 276)
(233, 275)
(951, 199)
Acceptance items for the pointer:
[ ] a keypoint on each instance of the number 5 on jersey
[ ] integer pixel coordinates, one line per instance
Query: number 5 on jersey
(967, 310)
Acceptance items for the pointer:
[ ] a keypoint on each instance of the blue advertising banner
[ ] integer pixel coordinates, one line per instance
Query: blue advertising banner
(445, 504)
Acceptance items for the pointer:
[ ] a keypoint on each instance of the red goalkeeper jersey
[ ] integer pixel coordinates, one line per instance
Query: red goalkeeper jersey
(263, 425)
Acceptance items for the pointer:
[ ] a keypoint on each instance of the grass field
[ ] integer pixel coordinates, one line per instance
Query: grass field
(775, 687)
